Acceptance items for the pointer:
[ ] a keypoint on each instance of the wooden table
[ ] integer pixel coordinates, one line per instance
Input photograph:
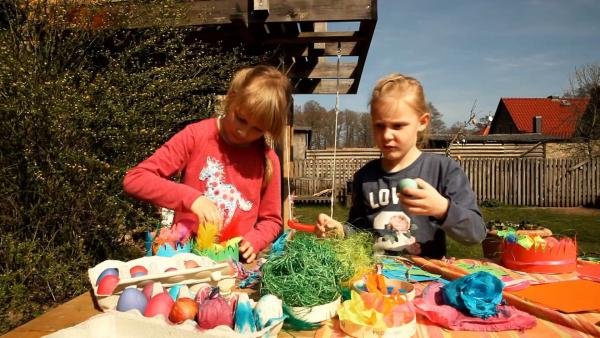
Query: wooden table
(82, 307)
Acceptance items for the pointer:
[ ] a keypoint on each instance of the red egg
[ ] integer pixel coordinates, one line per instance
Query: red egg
(137, 271)
(190, 264)
(147, 290)
(160, 304)
(182, 310)
(107, 285)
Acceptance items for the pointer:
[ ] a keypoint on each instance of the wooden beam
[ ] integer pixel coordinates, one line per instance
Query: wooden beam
(261, 5)
(314, 37)
(322, 86)
(367, 28)
(329, 70)
(320, 27)
(329, 86)
(216, 12)
(319, 10)
(330, 49)
(322, 68)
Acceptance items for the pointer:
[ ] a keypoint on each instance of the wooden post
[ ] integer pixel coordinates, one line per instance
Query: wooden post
(286, 166)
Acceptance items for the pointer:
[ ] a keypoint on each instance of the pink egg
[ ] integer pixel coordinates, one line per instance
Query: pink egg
(170, 269)
(107, 285)
(137, 271)
(203, 293)
(190, 264)
(147, 290)
(160, 304)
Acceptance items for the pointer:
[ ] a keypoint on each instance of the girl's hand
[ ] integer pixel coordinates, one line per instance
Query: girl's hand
(424, 201)
(247, 251)
(207, 212)
(327, 226)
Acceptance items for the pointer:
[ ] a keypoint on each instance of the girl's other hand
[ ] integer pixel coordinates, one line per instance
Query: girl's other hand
(327, 226)
(207, 212)
(247, 251)
(425, 200)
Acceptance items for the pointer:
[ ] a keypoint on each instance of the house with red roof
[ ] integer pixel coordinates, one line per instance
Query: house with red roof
(552, 116)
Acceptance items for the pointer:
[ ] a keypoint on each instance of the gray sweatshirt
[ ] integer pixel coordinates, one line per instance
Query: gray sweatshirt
(376, 208)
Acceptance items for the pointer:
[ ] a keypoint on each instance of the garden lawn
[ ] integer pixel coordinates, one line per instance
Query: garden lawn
(579, 222)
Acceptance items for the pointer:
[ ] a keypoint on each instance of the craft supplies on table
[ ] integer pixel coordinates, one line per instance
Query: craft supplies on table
(167, 271)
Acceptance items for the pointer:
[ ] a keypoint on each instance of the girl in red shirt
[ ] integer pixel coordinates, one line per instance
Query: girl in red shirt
(230, 176)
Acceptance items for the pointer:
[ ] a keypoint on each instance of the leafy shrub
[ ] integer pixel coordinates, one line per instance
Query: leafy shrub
(78, 107)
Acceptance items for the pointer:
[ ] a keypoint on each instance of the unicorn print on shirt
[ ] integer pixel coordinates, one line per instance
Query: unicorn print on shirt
(225, 195)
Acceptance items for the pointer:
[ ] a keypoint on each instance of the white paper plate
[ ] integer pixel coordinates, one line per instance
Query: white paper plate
(317, 313)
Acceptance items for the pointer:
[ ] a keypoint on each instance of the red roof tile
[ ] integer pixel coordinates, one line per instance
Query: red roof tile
(559, 116)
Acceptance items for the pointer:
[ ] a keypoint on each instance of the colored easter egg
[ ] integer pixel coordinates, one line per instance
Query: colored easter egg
(137, 271)
(174, 291)
(183, 309)
(170, 269)
(267, 308)
(132, 298)
(244, 316)
(214, 311)
(159, 305)
(202, 293)
(152, 289)
(190, 264)
(107, 285)
(407, 183)
(107, 272)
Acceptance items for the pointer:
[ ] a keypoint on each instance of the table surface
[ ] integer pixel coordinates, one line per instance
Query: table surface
(82, 307)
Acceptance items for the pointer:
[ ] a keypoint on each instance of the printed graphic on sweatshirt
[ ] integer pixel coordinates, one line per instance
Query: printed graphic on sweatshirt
(383, 197)
(225, 195)
(394, 230)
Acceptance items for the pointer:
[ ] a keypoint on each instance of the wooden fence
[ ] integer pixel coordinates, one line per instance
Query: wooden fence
(518, 181)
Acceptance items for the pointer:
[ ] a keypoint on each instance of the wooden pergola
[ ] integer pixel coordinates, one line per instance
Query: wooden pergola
(298, 33)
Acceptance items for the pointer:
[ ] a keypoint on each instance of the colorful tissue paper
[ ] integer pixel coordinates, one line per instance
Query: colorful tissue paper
(477, 294)
(431, 305)
(397, 270)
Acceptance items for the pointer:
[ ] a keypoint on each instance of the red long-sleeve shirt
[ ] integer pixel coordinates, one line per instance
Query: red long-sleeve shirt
(229, 175)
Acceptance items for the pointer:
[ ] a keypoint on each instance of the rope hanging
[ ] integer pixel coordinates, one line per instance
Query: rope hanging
(335, 136)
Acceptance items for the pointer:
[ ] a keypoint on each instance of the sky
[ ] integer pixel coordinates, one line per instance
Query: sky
(474, 52)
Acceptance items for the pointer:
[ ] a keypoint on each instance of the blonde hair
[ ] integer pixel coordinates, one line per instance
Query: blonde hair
(266, 94)
(408, 89)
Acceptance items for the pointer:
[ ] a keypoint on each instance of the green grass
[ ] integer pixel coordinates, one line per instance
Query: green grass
(583, 223)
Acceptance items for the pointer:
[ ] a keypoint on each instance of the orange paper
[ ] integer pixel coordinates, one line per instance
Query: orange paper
(566, 296)
(591, 272)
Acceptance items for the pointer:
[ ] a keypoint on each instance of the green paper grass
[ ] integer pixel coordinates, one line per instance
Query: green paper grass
(355, 254)
(307, 274)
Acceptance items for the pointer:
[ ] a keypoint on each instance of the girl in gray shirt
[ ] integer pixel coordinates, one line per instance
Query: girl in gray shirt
(416, 219)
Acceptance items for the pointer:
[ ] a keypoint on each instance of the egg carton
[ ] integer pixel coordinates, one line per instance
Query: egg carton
(208, 271)
(133, 324)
